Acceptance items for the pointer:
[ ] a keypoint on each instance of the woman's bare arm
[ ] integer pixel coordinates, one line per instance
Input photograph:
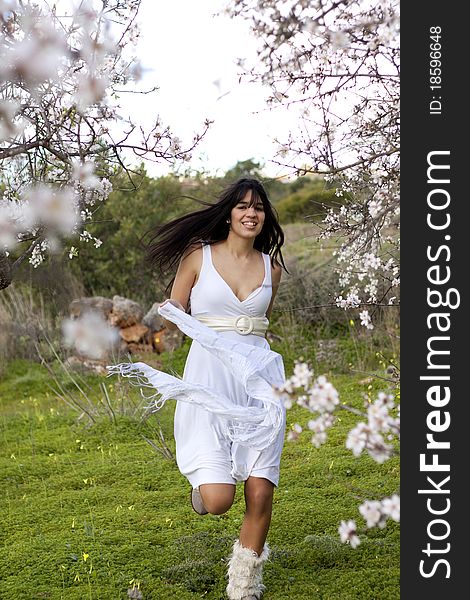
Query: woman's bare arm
(185, 278)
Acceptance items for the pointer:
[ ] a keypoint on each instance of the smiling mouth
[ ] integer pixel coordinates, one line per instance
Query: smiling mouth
(249, 224)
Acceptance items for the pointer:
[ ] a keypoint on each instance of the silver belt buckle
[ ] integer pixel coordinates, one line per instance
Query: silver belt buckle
(251, 324)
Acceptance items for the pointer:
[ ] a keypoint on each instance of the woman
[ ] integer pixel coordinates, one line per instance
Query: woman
(232, 430)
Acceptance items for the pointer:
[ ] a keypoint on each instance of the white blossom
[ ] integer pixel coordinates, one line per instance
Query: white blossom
(377, 512)
(54, 208)
(384, 399)
(347, 52)
(371, 510)
(90, 335)
(365, 319)
(175, 145)
(294, 432)
(348, 533)
(6, 9)
(85, 16)
(311, 26)
(357, 438)
(90, 90)
(287, 401)
(391, 507)
(8, 127)
(377, 448)
(364, 437)
(378, 417)
(319, 427)
(136, 72)
(375, 206)
(352, 300)
(287, 387)
(9, 228)
(38, 253)
(60, 76)
(38, 55)
(84, 172)
(323, 396)
(339, 39)
(302, 375)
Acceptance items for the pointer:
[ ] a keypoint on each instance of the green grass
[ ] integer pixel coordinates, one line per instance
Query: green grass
(88, 512)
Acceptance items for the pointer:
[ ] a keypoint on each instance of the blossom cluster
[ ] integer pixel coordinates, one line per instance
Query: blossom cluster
(375, 513)
(51, 212)
(319, 396)
(90, 335)
(352, 300)
(370, 436)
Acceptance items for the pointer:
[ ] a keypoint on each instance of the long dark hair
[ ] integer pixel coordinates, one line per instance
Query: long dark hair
(168, 242)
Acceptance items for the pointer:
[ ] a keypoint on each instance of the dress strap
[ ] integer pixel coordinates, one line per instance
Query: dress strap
(205, 258)
(267, 267)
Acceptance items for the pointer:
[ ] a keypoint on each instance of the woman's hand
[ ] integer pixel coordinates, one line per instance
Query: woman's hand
(174, 302)
(169, 324)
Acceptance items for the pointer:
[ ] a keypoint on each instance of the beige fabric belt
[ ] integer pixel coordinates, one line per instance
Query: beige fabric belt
(243, 324)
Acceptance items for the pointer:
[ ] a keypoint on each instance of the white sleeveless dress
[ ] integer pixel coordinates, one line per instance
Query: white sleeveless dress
(229, 424)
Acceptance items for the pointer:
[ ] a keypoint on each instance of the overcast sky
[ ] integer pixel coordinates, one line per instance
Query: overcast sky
(190, 54)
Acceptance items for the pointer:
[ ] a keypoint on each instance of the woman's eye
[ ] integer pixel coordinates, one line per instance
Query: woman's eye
(243, 207)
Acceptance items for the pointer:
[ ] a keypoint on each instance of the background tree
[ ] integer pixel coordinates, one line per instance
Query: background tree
(337, 63)
(119, 265)
(61, 133)
(309, 199)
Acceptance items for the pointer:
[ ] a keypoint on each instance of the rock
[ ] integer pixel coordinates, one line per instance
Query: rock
(94, 303)
(134, 333)
(137, 333)
(167, 340)
(138, 348)
(157, 341)
(86, 364)
(125, 312)
(152, 319)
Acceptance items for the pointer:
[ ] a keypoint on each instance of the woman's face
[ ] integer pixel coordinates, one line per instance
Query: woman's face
(245, 220)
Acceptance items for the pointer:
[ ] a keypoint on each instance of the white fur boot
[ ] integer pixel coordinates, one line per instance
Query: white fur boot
(245, 573)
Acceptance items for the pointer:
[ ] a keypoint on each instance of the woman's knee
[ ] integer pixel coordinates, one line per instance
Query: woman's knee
(259, 494)
(217, 497)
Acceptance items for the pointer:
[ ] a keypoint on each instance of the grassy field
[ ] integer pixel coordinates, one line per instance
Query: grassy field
(93, 512)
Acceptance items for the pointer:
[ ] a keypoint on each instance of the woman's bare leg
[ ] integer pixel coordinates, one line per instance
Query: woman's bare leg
(217, 497)
(259, 502)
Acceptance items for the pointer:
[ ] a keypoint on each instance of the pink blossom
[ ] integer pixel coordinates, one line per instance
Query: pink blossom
(348, 533)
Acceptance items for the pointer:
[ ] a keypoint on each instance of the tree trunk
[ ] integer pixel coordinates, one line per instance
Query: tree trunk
(5, 271)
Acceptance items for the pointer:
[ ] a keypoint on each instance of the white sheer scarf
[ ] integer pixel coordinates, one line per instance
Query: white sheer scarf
(258, 369)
